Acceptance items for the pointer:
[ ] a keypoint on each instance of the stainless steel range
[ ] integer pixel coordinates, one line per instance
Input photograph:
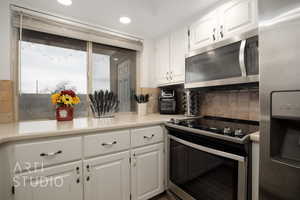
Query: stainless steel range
(209, 158)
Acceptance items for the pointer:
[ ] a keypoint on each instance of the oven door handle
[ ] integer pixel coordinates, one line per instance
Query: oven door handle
(210, 150)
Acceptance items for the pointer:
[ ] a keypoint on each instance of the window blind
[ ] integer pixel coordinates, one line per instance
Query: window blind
(38, 21)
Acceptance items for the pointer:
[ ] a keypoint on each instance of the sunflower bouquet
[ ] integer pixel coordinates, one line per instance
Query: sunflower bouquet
(64, 102)
(65, 98)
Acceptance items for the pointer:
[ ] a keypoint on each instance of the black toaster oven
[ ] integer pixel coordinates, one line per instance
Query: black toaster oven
(167, 102)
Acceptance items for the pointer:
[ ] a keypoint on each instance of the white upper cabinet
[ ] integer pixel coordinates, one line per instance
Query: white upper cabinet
(178, 49)
(238, 16)
(204, 31)
(170, 57)
(229, 20)
(147, 171)
(162, 54)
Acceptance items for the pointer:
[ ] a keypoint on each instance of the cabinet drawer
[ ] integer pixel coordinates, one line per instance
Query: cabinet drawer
(144, 136)
(106, 143)
(44, 153)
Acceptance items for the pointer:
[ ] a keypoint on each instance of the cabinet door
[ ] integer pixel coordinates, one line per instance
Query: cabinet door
(163, 61)
(60, 182)
(204, 31)
(147, 170)
(178, 50)
(107, 177)
(238, 16)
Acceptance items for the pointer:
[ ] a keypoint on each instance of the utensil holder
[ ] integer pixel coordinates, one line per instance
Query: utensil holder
(142, 109)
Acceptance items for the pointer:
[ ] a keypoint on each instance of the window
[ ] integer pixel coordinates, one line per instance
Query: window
(51, 63)
(114, 70)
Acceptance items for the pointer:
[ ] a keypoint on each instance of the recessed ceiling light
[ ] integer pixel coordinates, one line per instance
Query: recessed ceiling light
(65, 2)
(125, 20)
(116, 59)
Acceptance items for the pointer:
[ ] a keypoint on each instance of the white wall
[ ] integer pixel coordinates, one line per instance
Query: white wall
(4, 40)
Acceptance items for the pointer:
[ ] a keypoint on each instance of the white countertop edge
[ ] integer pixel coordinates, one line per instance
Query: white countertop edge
(254, 137)
(41, 135)
(134, 123)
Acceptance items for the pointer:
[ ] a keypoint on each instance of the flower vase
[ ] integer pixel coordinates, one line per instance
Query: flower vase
(64, 113)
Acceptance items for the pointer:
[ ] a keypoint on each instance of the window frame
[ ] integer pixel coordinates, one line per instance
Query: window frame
(15, 69)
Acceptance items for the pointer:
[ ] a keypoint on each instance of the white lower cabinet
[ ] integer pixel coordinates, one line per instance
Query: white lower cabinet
(60, 183)
(107, 177)
(147, 171)
(120, 165)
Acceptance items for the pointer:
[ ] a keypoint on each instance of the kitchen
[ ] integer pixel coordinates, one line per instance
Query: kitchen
(158, 100)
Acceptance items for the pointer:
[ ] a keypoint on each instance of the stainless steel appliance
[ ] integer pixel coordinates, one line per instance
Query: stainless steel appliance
(167, 101)
(209, 158)
(234, 63)
(279, 55)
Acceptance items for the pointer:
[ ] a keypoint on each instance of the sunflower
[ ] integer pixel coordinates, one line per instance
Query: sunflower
(55, 98)
(76, 100)
(67, 100)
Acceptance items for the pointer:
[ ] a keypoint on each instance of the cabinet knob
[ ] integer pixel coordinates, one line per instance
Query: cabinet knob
(88, 168)
(221, 31)
(214, 36)
(88, 178)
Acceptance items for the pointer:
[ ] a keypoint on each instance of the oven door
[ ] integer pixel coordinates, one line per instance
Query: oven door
(200, 173)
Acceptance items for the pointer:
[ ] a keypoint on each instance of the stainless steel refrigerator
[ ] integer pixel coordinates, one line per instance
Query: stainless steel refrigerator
(279, 54)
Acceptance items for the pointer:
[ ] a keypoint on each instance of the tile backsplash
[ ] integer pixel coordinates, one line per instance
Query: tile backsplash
(6, 101)
(239, 104)
(153, 98)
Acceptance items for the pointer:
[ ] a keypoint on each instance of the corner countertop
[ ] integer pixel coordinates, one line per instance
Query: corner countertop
(51, 128)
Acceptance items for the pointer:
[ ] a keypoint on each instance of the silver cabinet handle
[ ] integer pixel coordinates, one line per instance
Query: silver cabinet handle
(221, 31)
(51, 154)
(167, 76)
(214, 36)
(171, 75)
(109, 144)
(149, 137)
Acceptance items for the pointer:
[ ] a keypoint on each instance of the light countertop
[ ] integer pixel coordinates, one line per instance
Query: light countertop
(50, 128)
(254, 137)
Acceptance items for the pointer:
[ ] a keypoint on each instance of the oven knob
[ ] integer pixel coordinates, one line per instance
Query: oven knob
(238, 132)
(227, 131)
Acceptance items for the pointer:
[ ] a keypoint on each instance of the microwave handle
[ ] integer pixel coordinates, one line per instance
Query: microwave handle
(242, 58)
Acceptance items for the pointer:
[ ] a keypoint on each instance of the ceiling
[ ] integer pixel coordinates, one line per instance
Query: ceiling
(150, 18)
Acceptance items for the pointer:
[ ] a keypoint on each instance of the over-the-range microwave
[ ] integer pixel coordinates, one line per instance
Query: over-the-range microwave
(233, 63)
